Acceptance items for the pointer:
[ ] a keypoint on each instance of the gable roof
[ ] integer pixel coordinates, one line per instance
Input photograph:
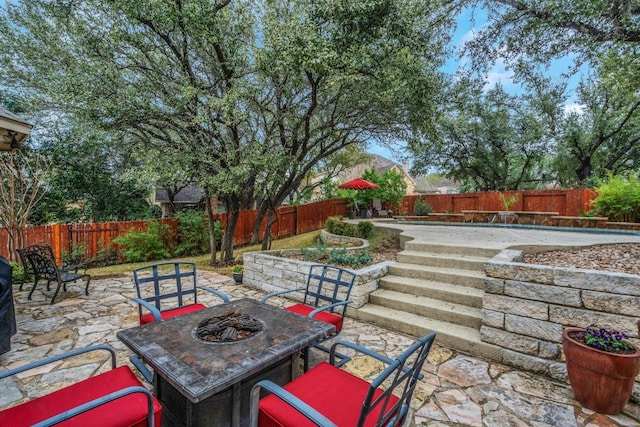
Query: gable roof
(189, 194)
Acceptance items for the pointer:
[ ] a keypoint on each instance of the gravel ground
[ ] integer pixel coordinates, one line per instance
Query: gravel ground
(619, 257)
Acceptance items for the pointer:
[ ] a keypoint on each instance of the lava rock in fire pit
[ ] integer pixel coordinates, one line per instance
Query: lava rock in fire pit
(227, 327)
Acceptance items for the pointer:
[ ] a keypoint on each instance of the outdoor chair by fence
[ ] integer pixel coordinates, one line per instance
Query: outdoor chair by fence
(42, 265)
(326, 298)
(165, 290)
(110, 399)
(329, 396)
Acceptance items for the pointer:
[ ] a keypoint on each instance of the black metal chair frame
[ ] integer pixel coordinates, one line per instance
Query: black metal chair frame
(329, 285)
(94, 403)
(180, 273)
(400, 374)
(43, 266)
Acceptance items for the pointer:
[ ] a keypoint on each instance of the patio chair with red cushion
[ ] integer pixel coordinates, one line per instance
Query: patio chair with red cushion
(113, 398)
(326, 395)
(166, 290)
(326, 298)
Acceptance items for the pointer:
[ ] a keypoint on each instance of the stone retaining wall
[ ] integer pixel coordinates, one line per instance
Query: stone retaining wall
(269, 271)
(526, 307)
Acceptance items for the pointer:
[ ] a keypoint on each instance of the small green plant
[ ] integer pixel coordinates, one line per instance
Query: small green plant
(145, 245)
(508, 201)
(77, 255)
(238, 269)
(18, 273)
(365, 228)
(422, 208)
(315, 254)
(355, 259)
(619, 198)
(605, 339)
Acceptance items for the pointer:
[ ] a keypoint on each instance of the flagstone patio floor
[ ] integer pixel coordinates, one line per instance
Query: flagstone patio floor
(457, 389)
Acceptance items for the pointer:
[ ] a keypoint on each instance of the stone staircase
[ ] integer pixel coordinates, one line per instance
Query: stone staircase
(434, 288)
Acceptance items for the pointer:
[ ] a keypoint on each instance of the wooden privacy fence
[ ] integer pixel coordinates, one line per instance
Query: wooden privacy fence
(292, 220)
(564, 202)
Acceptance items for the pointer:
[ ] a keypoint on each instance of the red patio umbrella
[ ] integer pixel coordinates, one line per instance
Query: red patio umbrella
(358, 184)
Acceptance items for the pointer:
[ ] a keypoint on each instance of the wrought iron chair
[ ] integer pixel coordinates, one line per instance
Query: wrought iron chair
(165, 290)
(329, 396)
(43, 266)
(326, 298)
(112, 398)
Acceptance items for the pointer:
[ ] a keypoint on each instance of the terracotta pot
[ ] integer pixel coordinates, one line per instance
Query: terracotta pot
(600, 381)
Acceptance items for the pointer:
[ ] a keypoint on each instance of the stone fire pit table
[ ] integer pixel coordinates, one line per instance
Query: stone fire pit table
(209, 383)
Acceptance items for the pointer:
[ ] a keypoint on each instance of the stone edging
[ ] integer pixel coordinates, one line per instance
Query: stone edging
(526, 307)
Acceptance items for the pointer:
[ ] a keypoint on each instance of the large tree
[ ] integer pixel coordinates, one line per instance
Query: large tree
(245, 96)
(334, 75)
(545, 29)
(604, 135)
(490, 139)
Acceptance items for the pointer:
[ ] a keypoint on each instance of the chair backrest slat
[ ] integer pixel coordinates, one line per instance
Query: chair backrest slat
(328, 284)
(399, 379)
(166, 282)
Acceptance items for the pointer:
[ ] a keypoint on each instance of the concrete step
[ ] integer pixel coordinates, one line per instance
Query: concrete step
(447, 292)
(461, 338)
(466, 262)
(428, 307)
(460, 277)
(418, 246)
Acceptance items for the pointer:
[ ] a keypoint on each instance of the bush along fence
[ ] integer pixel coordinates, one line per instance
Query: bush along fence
(96, 240)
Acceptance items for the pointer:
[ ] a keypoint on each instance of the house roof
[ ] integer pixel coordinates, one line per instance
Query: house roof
(12, 127)
(380, 165)
(189, 194)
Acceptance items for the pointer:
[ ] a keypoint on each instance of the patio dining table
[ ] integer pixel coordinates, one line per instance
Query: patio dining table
(202, 383)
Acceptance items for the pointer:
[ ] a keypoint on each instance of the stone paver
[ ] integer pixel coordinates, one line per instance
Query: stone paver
(457, 390)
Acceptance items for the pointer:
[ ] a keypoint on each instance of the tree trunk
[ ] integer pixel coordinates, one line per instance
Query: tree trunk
(257, 226)
(233, 212)
(212, 232)
(266, 240)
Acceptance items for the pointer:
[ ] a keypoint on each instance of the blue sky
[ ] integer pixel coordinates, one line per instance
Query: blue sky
(467, 25)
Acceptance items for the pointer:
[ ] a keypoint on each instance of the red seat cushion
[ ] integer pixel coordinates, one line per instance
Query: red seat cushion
(336, 394)
(130, 410)
(167, 314)
(324, 316)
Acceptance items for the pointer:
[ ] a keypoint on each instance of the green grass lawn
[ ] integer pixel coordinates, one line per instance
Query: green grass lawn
(203, 261)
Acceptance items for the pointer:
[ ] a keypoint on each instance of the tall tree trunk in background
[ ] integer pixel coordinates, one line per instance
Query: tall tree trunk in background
(257, 226)
(212, 231)
(233, 213)
(266, 240)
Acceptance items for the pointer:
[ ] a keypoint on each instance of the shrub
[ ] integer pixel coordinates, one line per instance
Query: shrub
(193, 234)
(619, 198)
(77, 255)
(18, 273)
(145, 245)
(365, 228)
(332, 224)
(422, 208)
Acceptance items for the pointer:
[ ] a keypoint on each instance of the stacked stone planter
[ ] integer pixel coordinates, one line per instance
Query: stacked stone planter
(526, 307)
(271, 271)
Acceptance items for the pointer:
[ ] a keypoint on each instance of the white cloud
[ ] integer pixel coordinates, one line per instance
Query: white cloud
(574, 108)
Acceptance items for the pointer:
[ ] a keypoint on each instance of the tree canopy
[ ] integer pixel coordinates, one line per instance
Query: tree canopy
(245, 97)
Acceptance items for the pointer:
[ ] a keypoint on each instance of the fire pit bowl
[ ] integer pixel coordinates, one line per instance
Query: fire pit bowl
(228, 327)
